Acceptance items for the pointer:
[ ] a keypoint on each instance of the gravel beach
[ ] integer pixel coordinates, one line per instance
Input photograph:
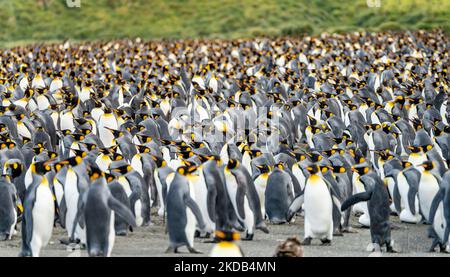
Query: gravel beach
(410, 240)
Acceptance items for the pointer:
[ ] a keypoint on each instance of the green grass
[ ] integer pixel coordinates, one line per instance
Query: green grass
(44, 20)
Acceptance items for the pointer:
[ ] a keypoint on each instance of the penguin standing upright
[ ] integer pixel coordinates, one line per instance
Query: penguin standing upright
(378, 203)
(407, 186)
(358, 187)
(39, 212)
(160, 173)
(428, 187)
(8, 210)
(76, 183)
(278, 195)
(182, 213)
(260, 181)
(97, 213)
(439, 216)
(318, 207)
(244, 198)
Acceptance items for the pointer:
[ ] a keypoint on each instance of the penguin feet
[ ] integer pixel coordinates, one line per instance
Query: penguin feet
(390, 247)
(376, 247)
(325, 242)
(171, 249)
(349, 230)
(121, 233)
(199, 234)
(263, 228)
(248, 237)
(306, 241)
(395, 227)
(239, 228)
(213, 240)
(68, 241)
(193, 250)
(147, 223)
(443, 248)
(25, 254)
(338, 233)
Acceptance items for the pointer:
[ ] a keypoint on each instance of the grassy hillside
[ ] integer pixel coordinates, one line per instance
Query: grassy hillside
(38, 20)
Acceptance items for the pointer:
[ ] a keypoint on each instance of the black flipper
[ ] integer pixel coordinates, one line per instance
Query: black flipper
(356, 198)
(295, 206)
(397, 199)
(79, 217)
(62, 212)
(412, 192)
(211, 202)
(196, 211)
(435, 204)
(122, 210)
(240, 197)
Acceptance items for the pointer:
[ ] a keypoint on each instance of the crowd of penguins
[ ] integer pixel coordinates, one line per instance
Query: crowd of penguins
(95, 136)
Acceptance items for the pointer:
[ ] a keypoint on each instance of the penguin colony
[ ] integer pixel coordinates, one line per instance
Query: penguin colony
(224, 138)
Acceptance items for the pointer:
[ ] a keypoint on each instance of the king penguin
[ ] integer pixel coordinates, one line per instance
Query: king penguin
(182, 213)
(39, 212)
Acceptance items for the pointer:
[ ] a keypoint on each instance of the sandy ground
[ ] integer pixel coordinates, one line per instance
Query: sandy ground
(410, 240)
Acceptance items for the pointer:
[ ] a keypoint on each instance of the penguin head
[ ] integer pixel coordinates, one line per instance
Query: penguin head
(417, 124)
(117, 134)
(124, 169)
(116, 156)
(314, 156)
(160, 162)
(428, 165)
(385, 155)
(184, 148)
(372, 127)
(40, 168)
(361, 169)
(198, 144)
(185, 154)
(339, 169)
(52, 155)
(79, 153)
(427, 147)
(280, 165)
(109, 177)
(90, 146)
(313, 169)
(232, 164)
(255, 153)
(264, 168)
(406, 164)
(95, 173)
(14, 168)
(331, 152)
(186, 170)
(415, 149)
(38, 150)
(144, 139)
(227, 235)
(73, 161)
(143, 149)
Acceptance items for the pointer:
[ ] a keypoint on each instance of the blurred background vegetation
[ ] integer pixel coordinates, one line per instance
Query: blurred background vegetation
(24, 21)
